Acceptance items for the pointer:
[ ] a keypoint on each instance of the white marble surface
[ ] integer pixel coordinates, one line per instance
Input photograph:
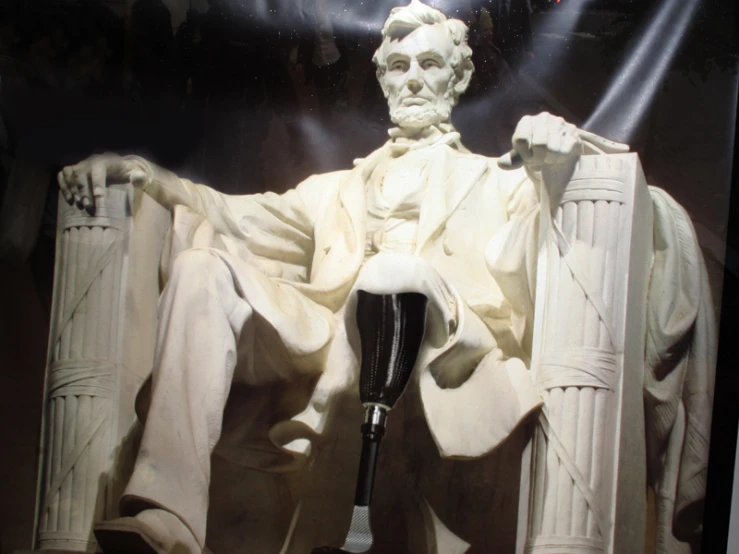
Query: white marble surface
(253, 348)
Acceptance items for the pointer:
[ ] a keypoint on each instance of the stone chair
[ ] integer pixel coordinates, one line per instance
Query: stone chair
(583, 477)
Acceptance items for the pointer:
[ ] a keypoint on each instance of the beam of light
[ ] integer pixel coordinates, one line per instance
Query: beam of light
(546, 60)
(562, 22)
(622, 108)
(326, 146)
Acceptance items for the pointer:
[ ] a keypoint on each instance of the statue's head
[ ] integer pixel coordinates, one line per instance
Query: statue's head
(423, 65)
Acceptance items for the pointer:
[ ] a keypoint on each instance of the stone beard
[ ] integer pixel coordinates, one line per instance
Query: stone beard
(422, 116)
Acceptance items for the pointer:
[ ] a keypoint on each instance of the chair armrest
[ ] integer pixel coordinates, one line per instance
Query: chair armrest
(587, 461)
(101, 347)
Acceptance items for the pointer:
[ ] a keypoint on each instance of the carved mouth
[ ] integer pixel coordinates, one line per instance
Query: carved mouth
(415, 101)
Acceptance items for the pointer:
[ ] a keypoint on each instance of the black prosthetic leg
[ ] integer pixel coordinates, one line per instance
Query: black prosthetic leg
(391, 329)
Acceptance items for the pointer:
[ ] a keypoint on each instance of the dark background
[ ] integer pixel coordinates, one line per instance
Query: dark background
(230, 94)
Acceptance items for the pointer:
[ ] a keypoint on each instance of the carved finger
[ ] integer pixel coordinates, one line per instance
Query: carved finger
(547, 123)
(554, 148)
(98, 174)
(510, 160)
(570, 144)
(64, 188)
(522, 137)
(69, 179)
(542, 129)
(82, 182)
(540, 154)
(540, 138)
(73, 184)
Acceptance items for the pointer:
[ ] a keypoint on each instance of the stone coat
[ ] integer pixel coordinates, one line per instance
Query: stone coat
(476, 229)
(477, 238)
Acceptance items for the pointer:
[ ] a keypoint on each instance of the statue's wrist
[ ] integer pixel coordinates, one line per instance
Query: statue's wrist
(151, 176)
(143, 174)
(159, 183)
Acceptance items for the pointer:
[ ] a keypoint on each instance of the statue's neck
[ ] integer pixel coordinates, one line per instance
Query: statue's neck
(404, 139)
(426, 134)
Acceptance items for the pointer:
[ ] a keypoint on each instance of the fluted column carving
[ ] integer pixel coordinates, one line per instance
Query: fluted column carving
(100, 351)
(587, 448)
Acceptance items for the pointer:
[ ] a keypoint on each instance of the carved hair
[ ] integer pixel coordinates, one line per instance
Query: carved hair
(404, 20)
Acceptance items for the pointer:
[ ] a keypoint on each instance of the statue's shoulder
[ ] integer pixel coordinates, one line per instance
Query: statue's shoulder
(503, 183)
(323, 181)
(318, 189)
(466, 157)
(470, 161)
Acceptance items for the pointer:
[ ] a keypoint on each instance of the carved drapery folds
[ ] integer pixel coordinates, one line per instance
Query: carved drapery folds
(588, 365)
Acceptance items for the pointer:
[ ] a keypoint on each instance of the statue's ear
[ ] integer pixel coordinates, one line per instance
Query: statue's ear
(463, 82)
(383, 86)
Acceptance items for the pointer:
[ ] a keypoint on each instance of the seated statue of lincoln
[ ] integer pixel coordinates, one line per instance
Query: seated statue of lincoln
(260, 288)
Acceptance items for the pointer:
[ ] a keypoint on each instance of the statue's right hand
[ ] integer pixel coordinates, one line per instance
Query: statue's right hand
(83, 183)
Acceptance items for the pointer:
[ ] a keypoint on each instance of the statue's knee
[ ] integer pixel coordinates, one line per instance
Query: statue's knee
(201, 278)
(200, 271)
(198, 262)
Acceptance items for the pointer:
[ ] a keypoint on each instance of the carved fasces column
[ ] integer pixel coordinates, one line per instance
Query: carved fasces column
(92, 379)
(586, 492)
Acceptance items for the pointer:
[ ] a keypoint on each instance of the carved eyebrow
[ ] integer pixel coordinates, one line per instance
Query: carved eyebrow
(431, 54)
(396, 56)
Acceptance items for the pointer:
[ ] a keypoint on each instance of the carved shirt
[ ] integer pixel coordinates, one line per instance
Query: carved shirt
(394, 195)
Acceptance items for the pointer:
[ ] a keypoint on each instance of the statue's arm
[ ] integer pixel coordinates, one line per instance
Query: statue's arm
(168, 189)
(539, 168)
(277, 228)
(83, 183)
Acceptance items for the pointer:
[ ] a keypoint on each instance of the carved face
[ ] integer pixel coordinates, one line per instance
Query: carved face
(419, 80)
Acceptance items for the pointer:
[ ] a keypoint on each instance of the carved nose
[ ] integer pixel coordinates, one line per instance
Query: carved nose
(414, 85)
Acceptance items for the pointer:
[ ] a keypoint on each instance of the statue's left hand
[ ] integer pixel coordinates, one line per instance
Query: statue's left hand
(543, 140)
(549, 148)
(546, 140)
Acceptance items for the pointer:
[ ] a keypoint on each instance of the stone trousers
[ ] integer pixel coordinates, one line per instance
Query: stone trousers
(215, 314)
(223, 321)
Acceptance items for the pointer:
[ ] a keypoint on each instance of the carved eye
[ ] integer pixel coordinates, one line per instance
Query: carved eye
(429, 63)
(399, 65)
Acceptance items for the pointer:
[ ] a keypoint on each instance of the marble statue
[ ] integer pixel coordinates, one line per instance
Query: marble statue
(260, 291)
